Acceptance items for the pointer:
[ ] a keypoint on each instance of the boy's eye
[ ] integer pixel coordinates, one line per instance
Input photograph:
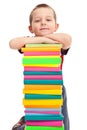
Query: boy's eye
(38, 20)
(49, 20)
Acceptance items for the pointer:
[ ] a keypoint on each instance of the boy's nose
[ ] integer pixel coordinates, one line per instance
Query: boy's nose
(43, 22)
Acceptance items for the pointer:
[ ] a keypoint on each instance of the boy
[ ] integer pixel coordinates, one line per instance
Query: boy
(43, 24)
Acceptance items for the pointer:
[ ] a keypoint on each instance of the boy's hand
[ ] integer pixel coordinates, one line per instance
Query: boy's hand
(63, 38)
(53, 37)
(48, 40)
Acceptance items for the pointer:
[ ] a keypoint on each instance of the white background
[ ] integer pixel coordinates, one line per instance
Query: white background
(72, 18)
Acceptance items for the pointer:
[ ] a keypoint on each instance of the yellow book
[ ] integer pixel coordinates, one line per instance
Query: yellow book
(45, 102)
(40, 49)
(41, 57)
(42, 87)
(42, 106)
(53, 91)
(42, 65)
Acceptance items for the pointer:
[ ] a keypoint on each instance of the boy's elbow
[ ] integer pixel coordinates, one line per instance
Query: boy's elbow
(11, 44)
(14, 44)
(67, 42)
(70, 41)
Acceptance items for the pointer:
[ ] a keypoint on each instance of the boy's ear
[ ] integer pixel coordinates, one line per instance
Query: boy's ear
(56, 27)
(30, 29)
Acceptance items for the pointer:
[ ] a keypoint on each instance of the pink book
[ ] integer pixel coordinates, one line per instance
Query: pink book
(40, 53)
(30, 68)
(43, 112)
(44, 123)
(43, 77)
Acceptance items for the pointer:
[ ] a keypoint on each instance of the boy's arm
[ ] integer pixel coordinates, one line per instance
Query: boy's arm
(18, 43)
(63, 38)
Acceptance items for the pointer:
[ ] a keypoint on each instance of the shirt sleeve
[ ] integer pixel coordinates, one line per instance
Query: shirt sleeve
(64, 51)
(20, 51)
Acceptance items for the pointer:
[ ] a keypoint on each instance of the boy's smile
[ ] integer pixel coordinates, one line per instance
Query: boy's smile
(42, 29)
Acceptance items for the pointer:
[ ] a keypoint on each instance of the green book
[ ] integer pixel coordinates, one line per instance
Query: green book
(43, 45)
(42, 96)
(42, 73)
(44, 117)
(43, 128)
(40, 60)
(59, 82)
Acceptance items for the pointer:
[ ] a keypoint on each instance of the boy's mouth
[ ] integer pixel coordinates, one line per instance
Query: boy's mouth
(44, 29)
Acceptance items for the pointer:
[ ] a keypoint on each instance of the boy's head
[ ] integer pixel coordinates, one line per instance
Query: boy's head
(42, 20)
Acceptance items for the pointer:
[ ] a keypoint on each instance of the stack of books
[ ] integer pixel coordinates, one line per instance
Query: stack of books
(43, 87)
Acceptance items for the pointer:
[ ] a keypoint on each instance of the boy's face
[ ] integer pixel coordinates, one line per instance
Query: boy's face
(43, 22)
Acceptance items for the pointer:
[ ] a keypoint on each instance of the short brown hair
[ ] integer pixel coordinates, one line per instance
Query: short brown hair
(40, 6)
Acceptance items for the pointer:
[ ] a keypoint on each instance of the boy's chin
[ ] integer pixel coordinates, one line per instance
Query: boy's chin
(44, 34)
